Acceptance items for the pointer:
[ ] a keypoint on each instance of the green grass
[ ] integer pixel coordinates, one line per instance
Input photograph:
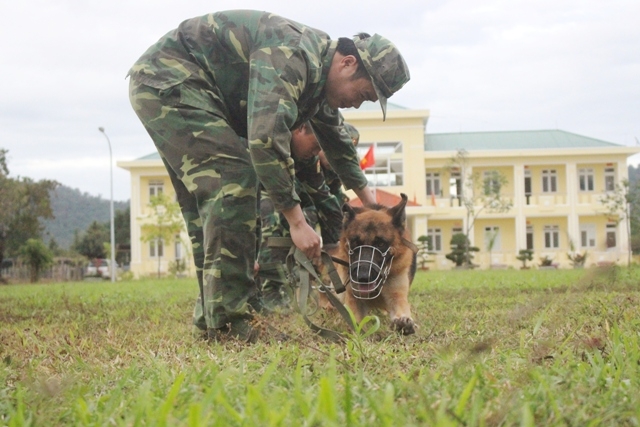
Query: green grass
(524, 348)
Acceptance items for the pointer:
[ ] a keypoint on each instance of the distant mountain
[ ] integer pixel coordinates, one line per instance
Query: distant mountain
(74, 210)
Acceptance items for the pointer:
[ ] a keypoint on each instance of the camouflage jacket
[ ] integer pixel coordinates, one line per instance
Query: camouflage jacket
(266, 75)
(328, 207)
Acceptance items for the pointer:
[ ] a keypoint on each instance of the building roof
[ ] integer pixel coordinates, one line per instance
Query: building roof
(374, 106)
(510, 140)
(153, 156)
(499, 140)
(384, 198)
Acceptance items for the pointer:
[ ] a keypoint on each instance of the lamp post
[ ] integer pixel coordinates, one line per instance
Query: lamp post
(113, 270)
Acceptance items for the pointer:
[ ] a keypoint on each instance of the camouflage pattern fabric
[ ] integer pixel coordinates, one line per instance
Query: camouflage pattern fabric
(328, 208)
(385, 65)
(219, 95)
(320, 208)
(216, 187)
(331, 178)
(263, 67)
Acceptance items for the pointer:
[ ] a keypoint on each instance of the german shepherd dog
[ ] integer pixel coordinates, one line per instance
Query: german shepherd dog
(382, 262)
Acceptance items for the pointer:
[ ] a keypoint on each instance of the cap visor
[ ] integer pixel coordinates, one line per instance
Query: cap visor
(383, 102)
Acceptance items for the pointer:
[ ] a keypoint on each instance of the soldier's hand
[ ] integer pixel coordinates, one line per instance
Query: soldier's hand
(304, 237)
(307, 240)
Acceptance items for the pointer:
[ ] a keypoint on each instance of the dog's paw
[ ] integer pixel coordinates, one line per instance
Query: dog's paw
(404, 325)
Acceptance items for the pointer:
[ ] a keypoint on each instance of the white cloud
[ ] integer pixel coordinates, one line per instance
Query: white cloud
(490, 65)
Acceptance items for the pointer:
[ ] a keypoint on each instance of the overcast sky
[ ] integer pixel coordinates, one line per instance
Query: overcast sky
(476, 65)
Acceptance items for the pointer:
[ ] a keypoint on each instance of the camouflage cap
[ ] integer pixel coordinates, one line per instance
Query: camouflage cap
(353, 132)
(385, 65)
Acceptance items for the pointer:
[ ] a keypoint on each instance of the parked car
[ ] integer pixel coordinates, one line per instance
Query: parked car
(99, 267)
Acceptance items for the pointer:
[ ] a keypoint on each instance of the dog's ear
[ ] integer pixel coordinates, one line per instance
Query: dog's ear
(398, 214)
(348, 214)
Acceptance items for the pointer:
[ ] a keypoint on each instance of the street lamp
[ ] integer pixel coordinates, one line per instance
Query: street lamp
(113, 270)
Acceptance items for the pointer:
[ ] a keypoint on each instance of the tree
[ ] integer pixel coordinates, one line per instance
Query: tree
(618, 207)
(37, 256)
(23, 203)
(167, 223)
(479, 193)
(425, 248)
(122, 224)
(92, 242)
(461, 251)
(525, 255)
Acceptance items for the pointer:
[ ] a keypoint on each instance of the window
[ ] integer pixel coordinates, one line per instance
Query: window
(455, 187)
(491, 183)
(433, 184)
(587, 235)
(436, 238)
(527, 182)
(527, 185)
(585, 178)
(156, 248)
(492, 234)
(611, 236)
(388, 169)
(609, 179)
(530, 237)
(155, 188)
(549, 181)
(551, 236)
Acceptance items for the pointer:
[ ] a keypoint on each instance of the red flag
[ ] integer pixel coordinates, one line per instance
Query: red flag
(368, 159)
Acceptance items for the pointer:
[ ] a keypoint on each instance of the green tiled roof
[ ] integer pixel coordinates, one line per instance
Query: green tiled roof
(374, 106)
(510, 140)
(152, 156)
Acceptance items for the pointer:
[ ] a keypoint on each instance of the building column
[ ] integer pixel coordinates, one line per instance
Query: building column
(420, 225)
(573, 222)
(519, 201)
(623, 230)
(465, 174)
(136, 249)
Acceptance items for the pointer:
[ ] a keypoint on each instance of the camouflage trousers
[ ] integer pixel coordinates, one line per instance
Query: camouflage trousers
(274, 224)
(216, 187)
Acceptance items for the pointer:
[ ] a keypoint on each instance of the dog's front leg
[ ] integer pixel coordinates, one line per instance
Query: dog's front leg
(396, 300)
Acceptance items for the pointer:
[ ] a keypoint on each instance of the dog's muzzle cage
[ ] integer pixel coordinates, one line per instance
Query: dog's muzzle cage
(368, 262)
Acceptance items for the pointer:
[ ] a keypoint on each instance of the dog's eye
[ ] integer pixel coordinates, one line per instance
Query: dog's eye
(380, 243)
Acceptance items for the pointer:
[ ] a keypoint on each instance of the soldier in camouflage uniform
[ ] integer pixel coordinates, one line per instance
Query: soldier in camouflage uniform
(320, 207)
(219, 96)
(332, 179)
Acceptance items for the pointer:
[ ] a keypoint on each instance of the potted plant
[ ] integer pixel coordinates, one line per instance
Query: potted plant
(546, 263)
(577, 259)
(461, 250)
(525, 255)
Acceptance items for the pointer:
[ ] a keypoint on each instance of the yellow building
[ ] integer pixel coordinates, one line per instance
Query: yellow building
(555, 180)
(149, 178)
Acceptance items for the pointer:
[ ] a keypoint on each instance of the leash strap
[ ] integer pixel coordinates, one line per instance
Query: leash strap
(306, 271)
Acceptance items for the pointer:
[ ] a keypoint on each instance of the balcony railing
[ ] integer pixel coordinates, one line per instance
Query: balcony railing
(545, 199)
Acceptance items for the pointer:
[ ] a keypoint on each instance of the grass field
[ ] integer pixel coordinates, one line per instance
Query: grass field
(527, 348)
